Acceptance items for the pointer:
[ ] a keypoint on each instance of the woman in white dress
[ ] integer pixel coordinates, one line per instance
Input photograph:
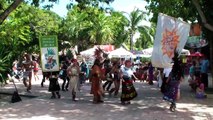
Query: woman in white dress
(73, 72)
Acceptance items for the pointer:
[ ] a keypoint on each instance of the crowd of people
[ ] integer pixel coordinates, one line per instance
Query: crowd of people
(198, 76)
(119, 72)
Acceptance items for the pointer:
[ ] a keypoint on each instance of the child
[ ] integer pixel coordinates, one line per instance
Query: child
(195, 82)
(54, 87)
(200, 93)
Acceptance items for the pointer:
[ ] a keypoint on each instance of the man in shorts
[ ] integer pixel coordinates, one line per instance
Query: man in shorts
(27, 71)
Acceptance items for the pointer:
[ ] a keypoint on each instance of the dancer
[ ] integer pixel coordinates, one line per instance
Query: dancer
(35, 70)
(128, 89)
(27, 68)
(116, 78)
(63, 75)
(173, 82)
(54, 87)
(73, 72)
(96, 79)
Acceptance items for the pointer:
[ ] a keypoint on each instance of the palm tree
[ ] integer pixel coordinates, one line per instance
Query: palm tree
(135, 18)
(119, 23)
(146, 37)
(101, 29)
(88, 27)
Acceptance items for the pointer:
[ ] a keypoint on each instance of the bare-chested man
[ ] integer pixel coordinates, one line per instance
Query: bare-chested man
(27, 68)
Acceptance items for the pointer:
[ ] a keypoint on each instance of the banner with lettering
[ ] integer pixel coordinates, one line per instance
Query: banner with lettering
(171, 33)
(49, 53)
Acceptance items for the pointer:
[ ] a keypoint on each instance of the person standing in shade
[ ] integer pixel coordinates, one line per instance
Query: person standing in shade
(204, 71)
(150, 73)
(84, 72)
(128, 90)
(73, 72)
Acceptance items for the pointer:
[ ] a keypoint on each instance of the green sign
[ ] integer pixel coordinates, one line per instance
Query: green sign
(49, 53)
(48, 41)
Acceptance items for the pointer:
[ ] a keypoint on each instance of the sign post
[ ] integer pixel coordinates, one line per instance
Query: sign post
(49, 53)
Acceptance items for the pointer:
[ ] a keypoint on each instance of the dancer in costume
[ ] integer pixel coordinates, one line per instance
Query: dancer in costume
(96, 82)
(54, 87)
(116, 78)
(128, 89)
(27, 74)
(173, 82)
(73, 72)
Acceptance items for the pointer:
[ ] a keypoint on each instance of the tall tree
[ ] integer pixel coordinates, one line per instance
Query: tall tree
(94, 26)
(135, 19)
(146, 37)
(12, 5)
(20, 32)
(120, 22)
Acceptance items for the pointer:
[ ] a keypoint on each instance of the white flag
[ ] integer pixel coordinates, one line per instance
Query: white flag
(171, 33)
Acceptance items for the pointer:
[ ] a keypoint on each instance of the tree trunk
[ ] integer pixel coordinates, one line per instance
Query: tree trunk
(209, 33)
(202, 16)
(211, 54)
(131, 41)
(12, 7)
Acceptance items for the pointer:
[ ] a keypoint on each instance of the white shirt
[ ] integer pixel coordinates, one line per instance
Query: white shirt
(167, 71)
(127, 71)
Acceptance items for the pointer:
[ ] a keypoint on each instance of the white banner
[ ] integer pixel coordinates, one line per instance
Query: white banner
(171, 33)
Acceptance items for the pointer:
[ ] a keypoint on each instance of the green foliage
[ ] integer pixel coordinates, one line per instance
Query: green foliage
(5, 56)
(145, 60)
(120, 22)
(93, 26)
(85, 25)
(134, 20)
(174, 8)
(20, 32)
(146, 38)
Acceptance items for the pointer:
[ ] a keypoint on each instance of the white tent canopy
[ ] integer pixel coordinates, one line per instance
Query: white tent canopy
(121, 53)
(88, 52)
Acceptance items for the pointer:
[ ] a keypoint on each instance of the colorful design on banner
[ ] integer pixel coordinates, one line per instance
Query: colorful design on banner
(169, 42)
(50, 61)
(171, 34)
(49, 53)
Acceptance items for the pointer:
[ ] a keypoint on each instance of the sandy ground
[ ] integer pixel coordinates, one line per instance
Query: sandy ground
(147, 106)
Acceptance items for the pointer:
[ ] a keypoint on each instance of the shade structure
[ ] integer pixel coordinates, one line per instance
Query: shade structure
(89, 52)
(196, 54)
(121, 53)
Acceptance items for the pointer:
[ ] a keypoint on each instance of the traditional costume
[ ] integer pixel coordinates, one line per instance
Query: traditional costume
(128, 89)
(173, 82)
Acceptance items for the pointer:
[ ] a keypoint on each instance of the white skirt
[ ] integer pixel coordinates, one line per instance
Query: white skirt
(73, 85)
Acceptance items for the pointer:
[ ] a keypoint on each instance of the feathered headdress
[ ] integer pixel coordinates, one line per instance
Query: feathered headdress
(100, 54)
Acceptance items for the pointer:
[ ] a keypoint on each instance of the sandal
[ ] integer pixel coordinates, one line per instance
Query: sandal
(172, 107)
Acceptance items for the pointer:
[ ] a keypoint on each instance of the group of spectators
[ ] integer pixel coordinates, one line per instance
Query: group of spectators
(198, 77)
